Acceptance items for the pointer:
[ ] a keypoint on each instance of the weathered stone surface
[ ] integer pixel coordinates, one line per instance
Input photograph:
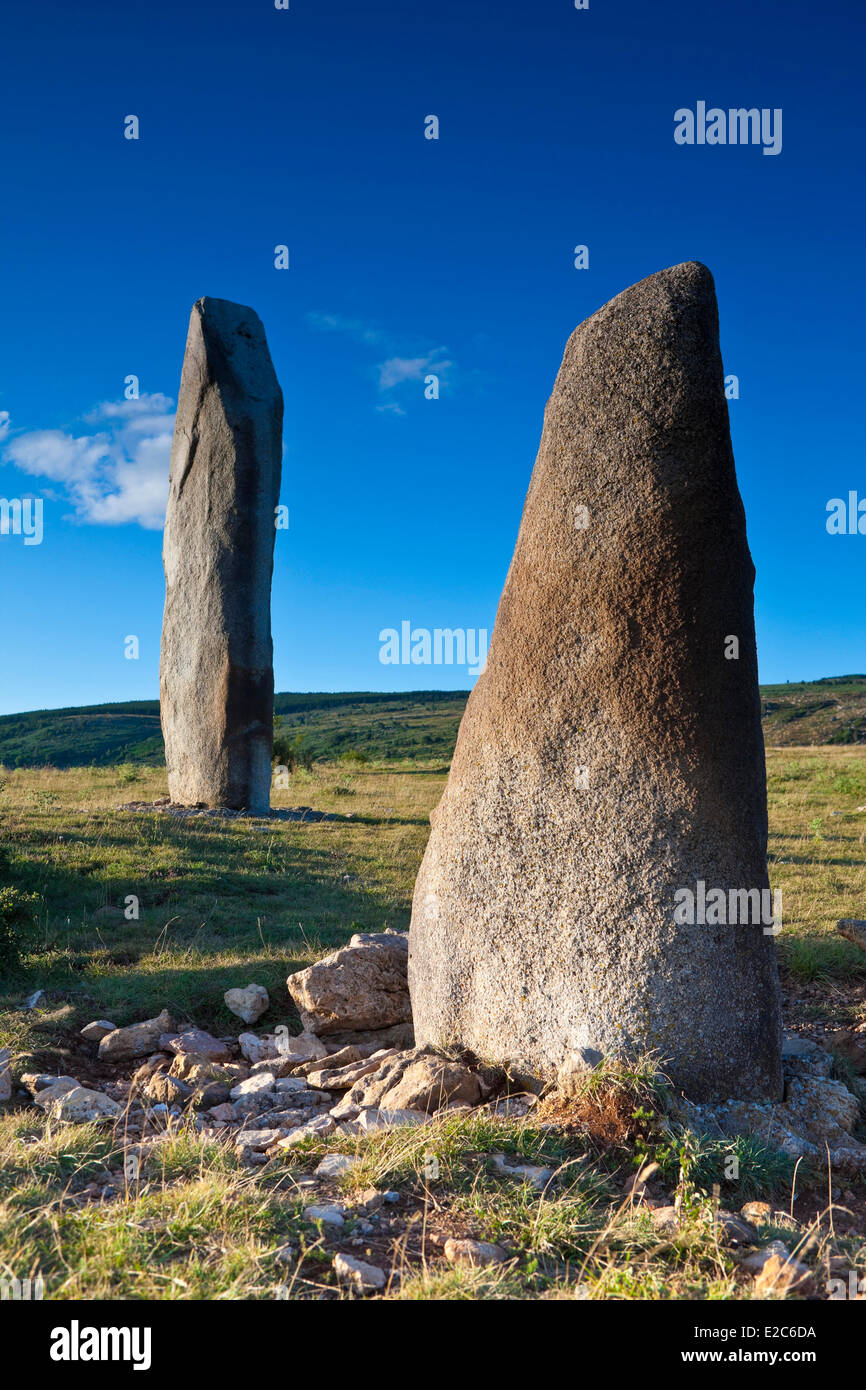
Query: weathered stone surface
(166, 1090)
(199, 1070)
(358, 1274)
(320, 1127)
(610, 755)
(335, 1165)
(35, 1082)
(361, 986)
(416, 1080)
(216, 668)
(344, 1078)
(96, 1031)
(815, 1120)
(330, 1215)
(137, 1040)
(473, 1252)
(77, 1104)
(249, 1003)
(399, 1035)
(198, 1043)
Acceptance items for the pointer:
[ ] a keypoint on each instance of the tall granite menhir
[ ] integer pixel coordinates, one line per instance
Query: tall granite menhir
(611, 754)
(216, 671)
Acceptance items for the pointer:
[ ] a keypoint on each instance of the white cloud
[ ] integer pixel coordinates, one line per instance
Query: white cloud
(5, 423)
(396, 370)
(113, 475)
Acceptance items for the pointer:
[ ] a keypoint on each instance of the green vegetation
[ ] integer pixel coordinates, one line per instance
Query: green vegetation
(417, 724)
(421, 723)
(223, 902)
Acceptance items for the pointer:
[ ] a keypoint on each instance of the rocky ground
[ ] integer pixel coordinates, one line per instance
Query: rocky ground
(372, 1139)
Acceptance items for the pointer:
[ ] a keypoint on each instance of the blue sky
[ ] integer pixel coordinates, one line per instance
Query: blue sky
(305, 127)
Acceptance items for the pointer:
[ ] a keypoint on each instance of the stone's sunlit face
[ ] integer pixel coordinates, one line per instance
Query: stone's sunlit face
(595, 772)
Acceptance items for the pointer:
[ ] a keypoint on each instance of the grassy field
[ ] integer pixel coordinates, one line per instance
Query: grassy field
(226, 902)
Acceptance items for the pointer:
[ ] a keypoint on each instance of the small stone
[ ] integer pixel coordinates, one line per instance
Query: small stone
(523, 1172)
(258, 1139)
(167, 1090)
(195, 1040)
(136, 1040)
(335, 1165)
(666, 1220)
(96, 1031)
(755, 1263)
(223, 1114)
(757, 1212)
(735, 1230)
(363, 1277)
(249, 1003)
(259, 1086)
(473, 1252)
(257, 1049)
(78, 1105)
(34, 1082)
(783, 1276)
(318, 1128)
(331, 1216)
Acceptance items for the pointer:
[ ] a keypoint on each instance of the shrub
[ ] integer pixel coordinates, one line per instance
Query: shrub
(17, 912)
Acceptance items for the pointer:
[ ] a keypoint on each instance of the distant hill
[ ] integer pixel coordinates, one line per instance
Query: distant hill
(831, 710)
(419, 723)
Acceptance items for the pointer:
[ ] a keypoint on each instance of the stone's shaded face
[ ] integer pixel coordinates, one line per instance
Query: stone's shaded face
(216, 670)
(611, 754)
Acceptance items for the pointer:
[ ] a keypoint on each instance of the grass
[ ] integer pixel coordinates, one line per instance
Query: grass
(224, 902)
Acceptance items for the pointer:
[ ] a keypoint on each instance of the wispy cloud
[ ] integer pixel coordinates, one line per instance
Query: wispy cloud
(406, 363)
(396, 370)
(115, 472)
(5, 423)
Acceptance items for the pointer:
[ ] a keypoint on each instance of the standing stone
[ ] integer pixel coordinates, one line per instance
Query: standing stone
(611, 754)
(216, 671)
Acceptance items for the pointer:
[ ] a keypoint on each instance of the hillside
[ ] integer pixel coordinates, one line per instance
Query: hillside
(419, 723)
